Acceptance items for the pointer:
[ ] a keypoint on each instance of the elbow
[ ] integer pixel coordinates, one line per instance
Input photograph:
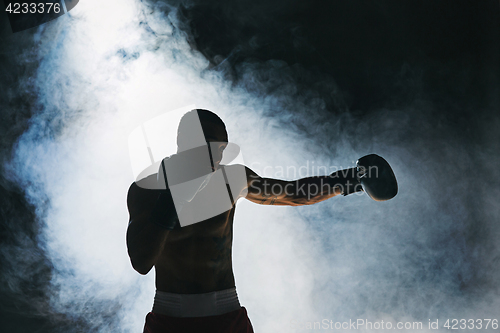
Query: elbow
(139, 264)
(143, 271)
(141, 268)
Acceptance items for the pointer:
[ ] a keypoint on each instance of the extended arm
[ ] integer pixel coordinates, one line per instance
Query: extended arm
(305, 191)
(372, 175)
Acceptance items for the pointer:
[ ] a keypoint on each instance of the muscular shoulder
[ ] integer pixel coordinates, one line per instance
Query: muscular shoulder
(239, 170)
(240, 178)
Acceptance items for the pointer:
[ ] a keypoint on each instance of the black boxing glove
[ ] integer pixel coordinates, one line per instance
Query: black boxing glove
(163, 212)
(377, 177)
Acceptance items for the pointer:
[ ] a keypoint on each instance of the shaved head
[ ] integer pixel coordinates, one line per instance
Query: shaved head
(212, 127)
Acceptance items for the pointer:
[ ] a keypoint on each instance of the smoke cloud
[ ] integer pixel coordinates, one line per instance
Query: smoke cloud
(92, 76)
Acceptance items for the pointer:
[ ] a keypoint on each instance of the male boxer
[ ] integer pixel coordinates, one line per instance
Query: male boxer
(195, 288)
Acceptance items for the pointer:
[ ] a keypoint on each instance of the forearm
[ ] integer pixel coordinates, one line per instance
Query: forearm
(145, 245)
(148, 232)
(310, 190)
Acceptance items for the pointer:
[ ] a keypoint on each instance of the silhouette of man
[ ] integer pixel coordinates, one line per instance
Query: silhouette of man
(195, 287)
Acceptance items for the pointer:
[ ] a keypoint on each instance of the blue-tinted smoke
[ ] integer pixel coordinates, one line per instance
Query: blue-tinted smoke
(429, 253)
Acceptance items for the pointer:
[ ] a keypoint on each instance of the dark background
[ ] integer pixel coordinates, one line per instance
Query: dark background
(377, 54)
(366, 46)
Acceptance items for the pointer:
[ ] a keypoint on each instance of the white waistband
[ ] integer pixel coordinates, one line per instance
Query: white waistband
(196, 305)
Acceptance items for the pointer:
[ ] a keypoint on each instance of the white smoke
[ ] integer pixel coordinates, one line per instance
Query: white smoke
(108, 66)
